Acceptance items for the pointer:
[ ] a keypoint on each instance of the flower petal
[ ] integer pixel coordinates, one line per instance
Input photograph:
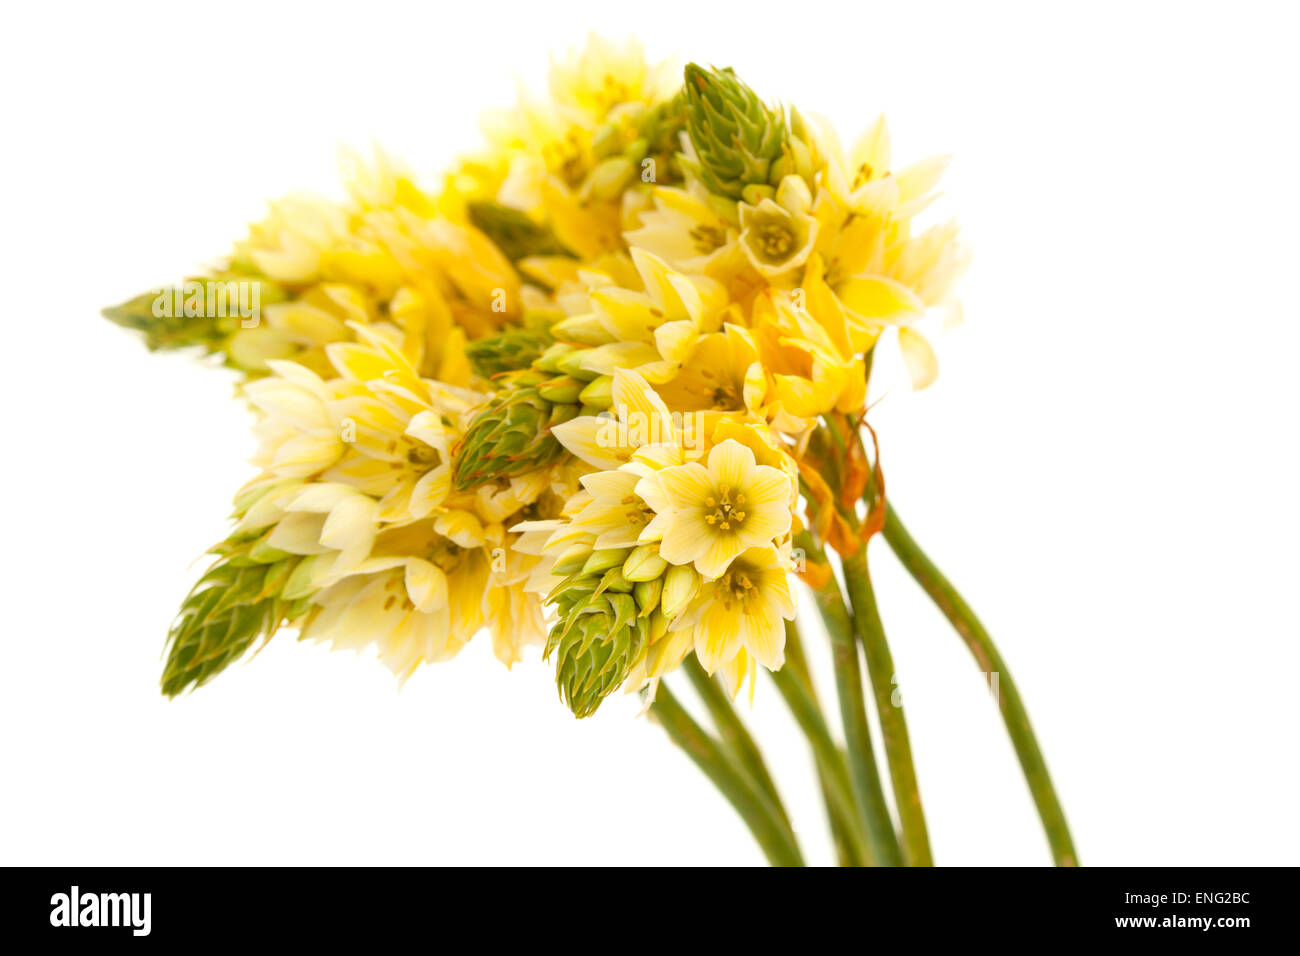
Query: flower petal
(730, 465)
(918, 355)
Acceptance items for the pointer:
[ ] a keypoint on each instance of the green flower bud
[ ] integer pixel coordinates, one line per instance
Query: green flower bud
(514, 232)
(661, 130)
(605, 559)
(238, 600)
(508, 351)
(263, 553)
(572, 560)
(736, 137)
(614, 581)
(599, 637)
(549, 360)
(610, 178)
(204, 313)
(606, 141)
(644, 564)
(561, 390)
(647, 595)
(599, 393)
(658, 625)
(636, 149)
(298, 585)
(681, 584)
(511, 436)
(580, 330)
(571, 364)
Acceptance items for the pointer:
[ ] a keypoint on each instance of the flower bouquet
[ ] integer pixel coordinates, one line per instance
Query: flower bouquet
(603, 391)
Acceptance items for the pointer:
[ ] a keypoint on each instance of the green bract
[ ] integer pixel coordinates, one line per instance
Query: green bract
(511, 436)
(601, 632)
(247, 594)
(508, 351)
(201, 312)
(515, 233)
(737, 138)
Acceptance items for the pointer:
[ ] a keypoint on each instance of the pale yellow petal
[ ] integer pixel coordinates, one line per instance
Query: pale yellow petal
(426, 585)
(686, 537)
(764, 637)
(922, 364)
(730, 465)
(879, 299)
(722, 550)
(717, 638)
(594, 439)
(687, 485)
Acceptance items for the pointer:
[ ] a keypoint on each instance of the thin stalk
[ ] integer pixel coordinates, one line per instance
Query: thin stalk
(960, 615)
(850, 843)
(844, 832)
(831, 766)
(735, 737)
(867, 792)
(773, 838)
(893, 725)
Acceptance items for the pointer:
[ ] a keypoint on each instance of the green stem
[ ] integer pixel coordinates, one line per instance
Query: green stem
(959, 614)
(831, 766)
(850, 844)
(850, 848)
(777, 844)
(870, 797)
(893, 725)
(735, 737)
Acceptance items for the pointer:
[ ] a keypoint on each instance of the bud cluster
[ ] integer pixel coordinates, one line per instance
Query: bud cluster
(577, 396)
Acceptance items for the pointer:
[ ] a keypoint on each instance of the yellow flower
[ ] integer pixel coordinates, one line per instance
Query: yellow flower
(603, 76)
(638, 417)
(571, 161)
(716, 323)
(615, 514)
(884, 276)
(359, 485)
(688, 233)
(651, 329)
(723, 373)
(513, 614)
(778, 234)
(806, 351)
(414, 609)
(743, 611)
(717, 512)
(378, 429)
(384, 258)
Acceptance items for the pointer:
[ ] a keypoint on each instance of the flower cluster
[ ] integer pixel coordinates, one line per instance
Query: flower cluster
(569, 395)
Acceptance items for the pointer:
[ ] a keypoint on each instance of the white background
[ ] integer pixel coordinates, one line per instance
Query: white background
(1106, 468)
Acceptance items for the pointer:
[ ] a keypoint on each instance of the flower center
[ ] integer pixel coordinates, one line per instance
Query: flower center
(635, 511)
(396, 589)
(726, 396)
(776, 240)
(727, 511)
(421, 454)
(448, 556)
(612, 92)
(863, 175)
(708, 239)
(735, 587)
(566, 159)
